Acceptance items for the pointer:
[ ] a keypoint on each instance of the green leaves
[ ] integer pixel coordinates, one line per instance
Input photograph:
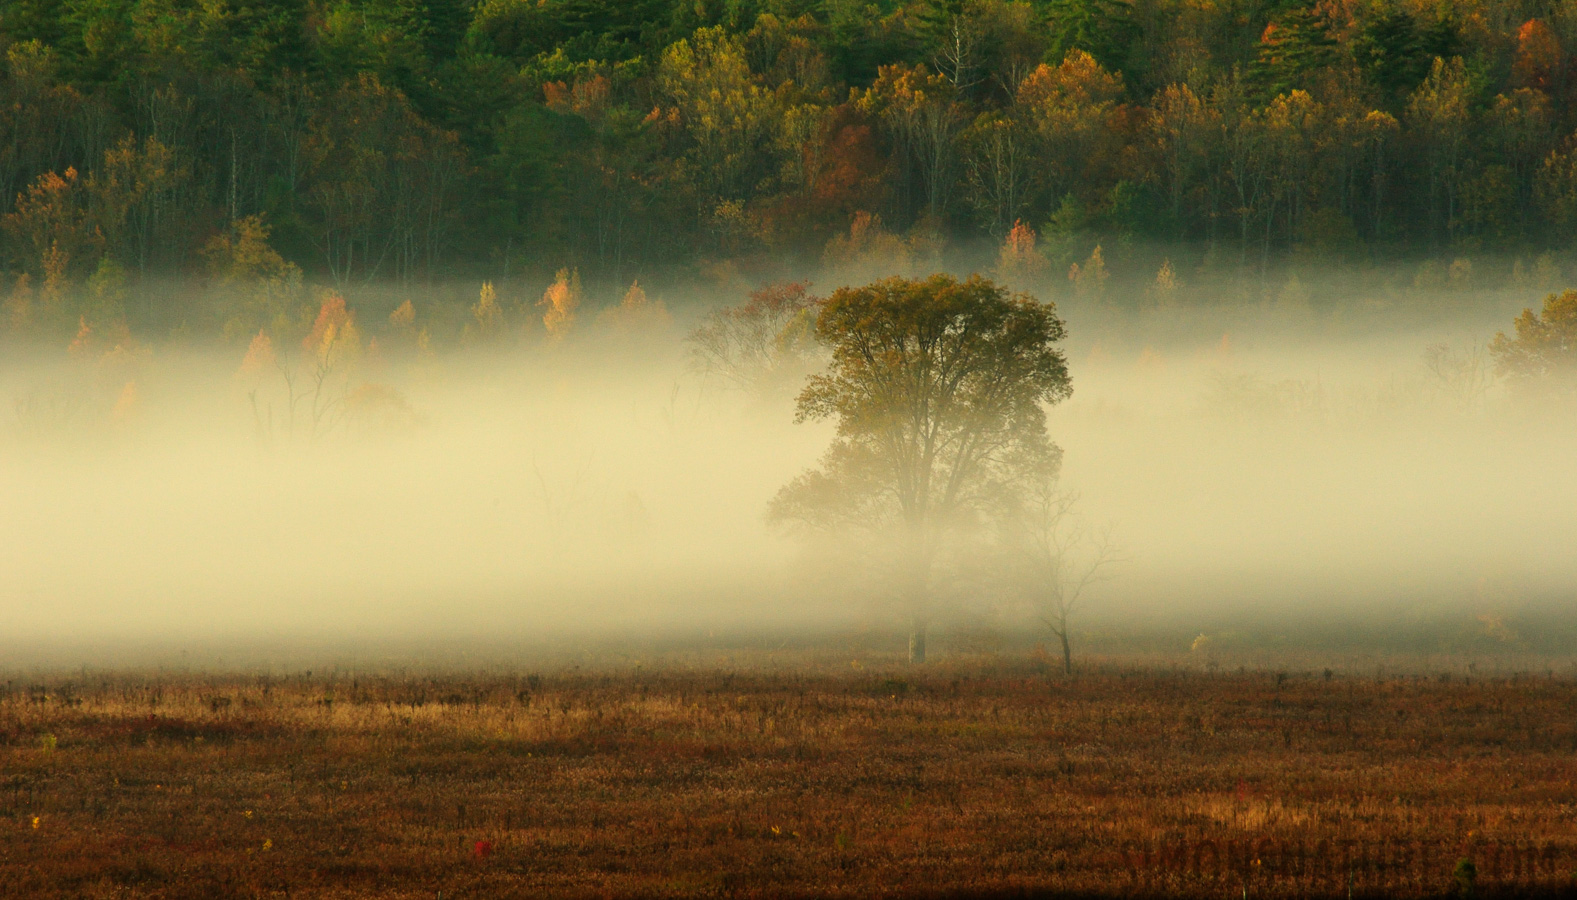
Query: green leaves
(1292, 52)
(938, 389)
(1102, 28)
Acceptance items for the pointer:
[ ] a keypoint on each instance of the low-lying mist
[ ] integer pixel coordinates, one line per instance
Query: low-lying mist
(1256, 472)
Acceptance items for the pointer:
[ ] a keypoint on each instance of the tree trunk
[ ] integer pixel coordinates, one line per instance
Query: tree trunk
(918, 562)
(916, 641)
(1067, 654)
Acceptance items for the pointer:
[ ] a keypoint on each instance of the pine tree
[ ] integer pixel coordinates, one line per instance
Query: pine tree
(1292, 52)
(1390, 51)
(1104, 29)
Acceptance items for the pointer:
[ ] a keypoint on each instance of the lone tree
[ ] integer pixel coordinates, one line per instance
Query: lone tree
(939, 389)
(1054, 556)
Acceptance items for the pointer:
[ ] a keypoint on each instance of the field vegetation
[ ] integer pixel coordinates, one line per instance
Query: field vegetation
(817, 775)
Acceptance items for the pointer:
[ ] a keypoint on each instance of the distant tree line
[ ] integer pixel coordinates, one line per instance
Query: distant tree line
(408, 141)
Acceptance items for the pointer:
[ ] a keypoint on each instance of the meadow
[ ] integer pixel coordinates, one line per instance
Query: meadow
(986, 775)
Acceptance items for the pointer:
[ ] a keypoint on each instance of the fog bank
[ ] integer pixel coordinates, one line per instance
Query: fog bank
(1250, 469)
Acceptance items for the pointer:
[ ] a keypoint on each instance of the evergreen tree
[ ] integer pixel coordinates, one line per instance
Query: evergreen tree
(1389, 50)
(32, 20)
(1395, 51)
(1293, 50)
(1104, 29)
(1442, 38)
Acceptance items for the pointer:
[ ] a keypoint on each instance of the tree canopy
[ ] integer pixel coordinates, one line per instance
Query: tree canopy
(939, 389)
(419, 139)
(413, 142)
(1543, 354)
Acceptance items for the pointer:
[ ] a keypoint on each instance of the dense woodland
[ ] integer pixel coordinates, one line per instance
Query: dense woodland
(348, 143)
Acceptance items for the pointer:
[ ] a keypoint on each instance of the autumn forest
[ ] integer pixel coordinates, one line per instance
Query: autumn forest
(344, 143)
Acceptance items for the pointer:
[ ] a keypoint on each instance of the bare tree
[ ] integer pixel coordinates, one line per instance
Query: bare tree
(1462, 376)
(958, 55)
(317, 388)
(998, 170)
(759, 345)
(1056, 555)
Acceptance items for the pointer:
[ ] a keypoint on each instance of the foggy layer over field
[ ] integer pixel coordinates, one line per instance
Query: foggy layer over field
(1252, 464)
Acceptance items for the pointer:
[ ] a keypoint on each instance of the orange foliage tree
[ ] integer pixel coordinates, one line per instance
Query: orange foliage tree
(51, 230)
(561, 300)
(1019, 255)
(1540, 59)
(312, 390)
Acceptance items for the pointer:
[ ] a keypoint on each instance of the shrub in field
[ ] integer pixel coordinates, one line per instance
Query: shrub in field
(1466, 877)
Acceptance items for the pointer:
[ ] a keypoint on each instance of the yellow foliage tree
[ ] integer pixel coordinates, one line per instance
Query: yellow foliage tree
(260, 357)
(127, 192)
(334, 337)
(868, 245)
(487, 316)
(404, 316)
(636, 312)
(1089, 280)
(332, 347)
(1163, 293)
(1543, 355)
(1072, 108)
(921, 114)
(260, 288)
(728, 116)
(260, 360)
(561, 300)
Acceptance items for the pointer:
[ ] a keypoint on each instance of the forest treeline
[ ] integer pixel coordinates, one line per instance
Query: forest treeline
(352, 142)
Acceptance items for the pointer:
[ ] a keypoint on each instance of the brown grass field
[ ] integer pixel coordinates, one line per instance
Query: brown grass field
(953, 780)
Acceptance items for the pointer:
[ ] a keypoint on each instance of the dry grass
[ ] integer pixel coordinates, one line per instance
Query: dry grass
(672, 783)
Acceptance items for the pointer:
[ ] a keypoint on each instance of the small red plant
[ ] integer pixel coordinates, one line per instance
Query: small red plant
(482, 850)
